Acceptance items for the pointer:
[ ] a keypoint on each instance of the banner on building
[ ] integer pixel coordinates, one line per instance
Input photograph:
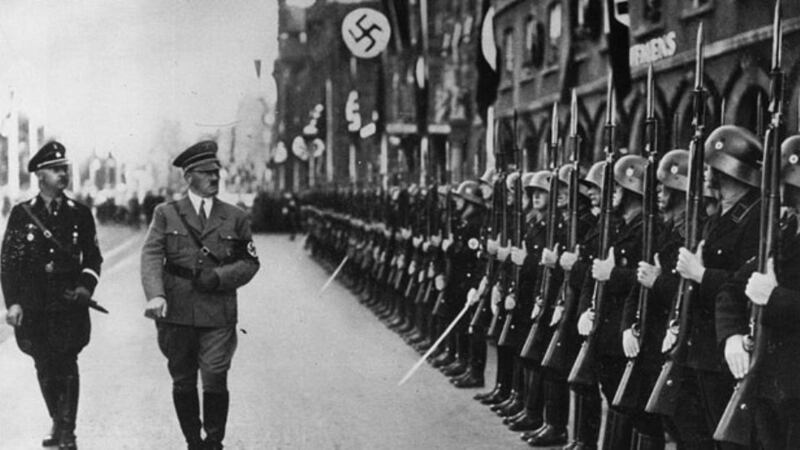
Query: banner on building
(366, 32)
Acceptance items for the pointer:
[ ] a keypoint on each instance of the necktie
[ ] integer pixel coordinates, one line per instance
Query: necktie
(203, 216)
(53, 207)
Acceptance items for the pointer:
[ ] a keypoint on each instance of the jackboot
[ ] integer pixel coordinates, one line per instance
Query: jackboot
(587, 420)
(215, 416)
(50, 392)
(187, 408)
(485, 395)
(549, 436)
(619, 430)
(470, 380)
(527, 422)
(514, 418)
(458, 367)
(67, 413)
(511, 398)
(513, 408)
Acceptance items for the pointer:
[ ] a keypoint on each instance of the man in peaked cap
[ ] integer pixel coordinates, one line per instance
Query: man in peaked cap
(198, 251)
(50, 267)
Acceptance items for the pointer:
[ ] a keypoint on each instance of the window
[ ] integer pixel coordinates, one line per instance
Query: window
(508, 51)
(588, 18)
(534, 42)
(554, 33)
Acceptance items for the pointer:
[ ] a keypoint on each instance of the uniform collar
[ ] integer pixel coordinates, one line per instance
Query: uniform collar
(196, 199)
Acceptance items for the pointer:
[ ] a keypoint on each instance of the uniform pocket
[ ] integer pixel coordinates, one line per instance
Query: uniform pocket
(176, 240)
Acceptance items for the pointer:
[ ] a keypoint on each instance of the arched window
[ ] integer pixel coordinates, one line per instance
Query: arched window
(747, 114)
(554, 21)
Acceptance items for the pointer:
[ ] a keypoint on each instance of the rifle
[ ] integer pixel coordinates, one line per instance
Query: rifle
(555, 357)
(543, 299)
(518, 222)
(482, 315)
(495, 325)
(735, 423)
(446, 229)
(633, 376)
(663, 398)
(583, 369)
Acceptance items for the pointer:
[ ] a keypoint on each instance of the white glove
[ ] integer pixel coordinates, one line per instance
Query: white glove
(425, 246)
(511, 302)
(537, 309)
(669, 341)
(447, 242)
(585, 322)
(405, 233)
(496, 297)
(412, 267)
(503, 253)
(431, 271)
(401, 262)
(550, 257)
(558, 311)
(436, 240)
(760, 285)
(630, 343)
(518, 255)
(647, 273)
(601, 269)
(416, 241)
(439, 282)
(472, 296)
(491, 246)
(568, 259)
(737, 357)
(482, 286)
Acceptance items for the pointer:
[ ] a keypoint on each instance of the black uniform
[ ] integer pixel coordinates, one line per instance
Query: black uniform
(777, 413)
(36, 272)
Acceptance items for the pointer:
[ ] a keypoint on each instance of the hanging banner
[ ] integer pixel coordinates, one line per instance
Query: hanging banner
(299, 148)
(366, 32)
(280, 153)
(318, 147)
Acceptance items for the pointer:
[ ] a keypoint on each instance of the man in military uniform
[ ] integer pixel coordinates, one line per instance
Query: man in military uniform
(198, 251)
(50, 267)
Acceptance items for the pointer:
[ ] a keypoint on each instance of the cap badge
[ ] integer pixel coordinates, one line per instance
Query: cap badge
(674, 169)
(473, 244)
(58, 154)
(629, 172)
(793, 159)
(718, 145)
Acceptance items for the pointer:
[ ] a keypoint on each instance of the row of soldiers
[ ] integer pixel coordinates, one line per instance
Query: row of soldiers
(660, 283)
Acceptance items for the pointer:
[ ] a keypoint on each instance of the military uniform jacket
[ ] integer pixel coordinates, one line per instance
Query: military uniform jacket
(730, 240)
(669, 238)
(227, 234)
(35, 271)
(626, 238)
(777, 375)
(464, 271)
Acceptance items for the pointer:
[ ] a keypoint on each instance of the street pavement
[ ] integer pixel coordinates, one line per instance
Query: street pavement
(311, 372)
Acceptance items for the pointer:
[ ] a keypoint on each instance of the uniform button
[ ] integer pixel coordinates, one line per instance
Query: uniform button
(719, 251)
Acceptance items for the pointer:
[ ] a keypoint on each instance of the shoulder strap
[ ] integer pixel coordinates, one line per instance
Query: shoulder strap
(203, 249)
(47, 233)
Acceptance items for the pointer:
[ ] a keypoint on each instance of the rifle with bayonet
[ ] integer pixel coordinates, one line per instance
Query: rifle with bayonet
(538, 330)
(663, 399)
(495, 326)
(583, 370)
(556, 357)
(627, 390)
(445, 231)
(483, 313)
(518, 223)
(735, 425)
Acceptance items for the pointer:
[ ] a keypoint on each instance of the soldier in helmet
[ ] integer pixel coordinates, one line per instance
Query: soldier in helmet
(50, 267)
(658, 276)
(586, 412)
(777, 407)
(618, 272)
(462, 250)
(729, 239)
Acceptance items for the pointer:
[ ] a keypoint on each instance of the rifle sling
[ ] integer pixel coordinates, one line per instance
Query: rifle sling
(203, 249)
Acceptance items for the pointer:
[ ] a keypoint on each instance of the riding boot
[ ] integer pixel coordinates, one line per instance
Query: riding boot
(587, 420)
(67, 413)
(187, 407)
(215, 416)
(50, 392)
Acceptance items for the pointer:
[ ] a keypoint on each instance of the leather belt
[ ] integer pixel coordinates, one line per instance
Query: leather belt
(179, 271)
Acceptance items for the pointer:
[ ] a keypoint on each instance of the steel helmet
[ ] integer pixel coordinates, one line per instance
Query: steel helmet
(540, 180)
(511, 180)
(526, 178)
(790, 161)
(564, 173)
(595, 174)
(629, 173)
(673, 170)
(736, 152)
(470, 191)
(488, 176)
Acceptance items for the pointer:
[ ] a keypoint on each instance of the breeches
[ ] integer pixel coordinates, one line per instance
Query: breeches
(189, 349)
